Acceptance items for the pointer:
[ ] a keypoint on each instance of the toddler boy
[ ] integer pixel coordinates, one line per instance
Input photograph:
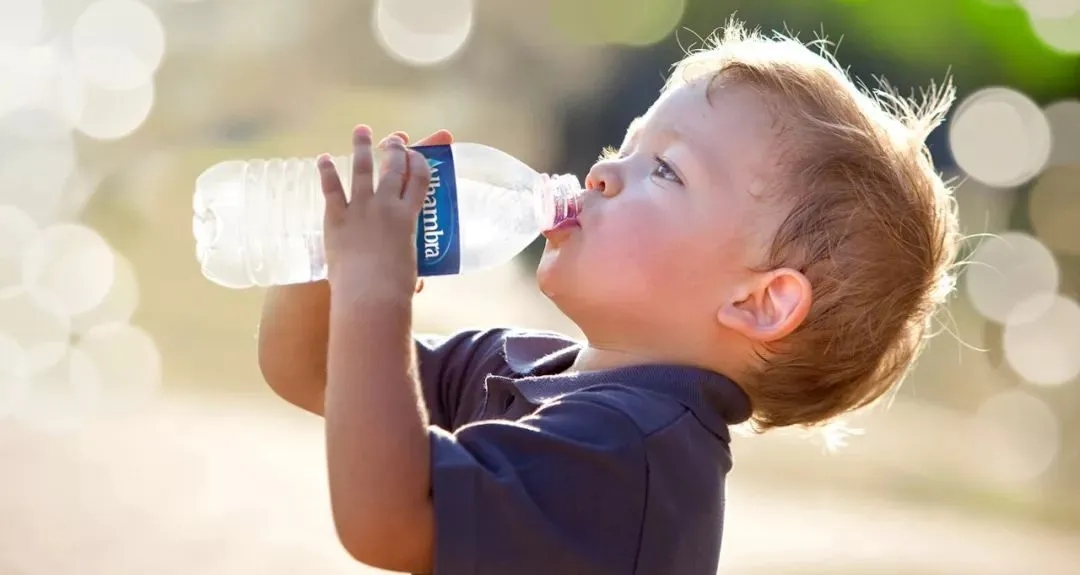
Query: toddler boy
(768, 244)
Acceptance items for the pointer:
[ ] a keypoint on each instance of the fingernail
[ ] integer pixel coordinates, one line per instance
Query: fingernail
(324, 161)
(391, 139)
(362, 133)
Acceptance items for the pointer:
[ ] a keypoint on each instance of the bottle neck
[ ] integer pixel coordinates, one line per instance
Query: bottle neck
(564, 191)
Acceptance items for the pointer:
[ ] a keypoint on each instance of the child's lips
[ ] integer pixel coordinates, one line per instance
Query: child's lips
(561, 229)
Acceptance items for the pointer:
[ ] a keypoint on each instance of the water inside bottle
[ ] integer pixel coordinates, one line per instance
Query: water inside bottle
(494, 227)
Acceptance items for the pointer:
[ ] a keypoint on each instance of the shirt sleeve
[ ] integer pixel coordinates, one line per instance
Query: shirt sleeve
(560, 491)
(452, 371)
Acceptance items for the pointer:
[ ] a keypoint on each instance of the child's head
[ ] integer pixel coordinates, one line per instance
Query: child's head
(769, 220)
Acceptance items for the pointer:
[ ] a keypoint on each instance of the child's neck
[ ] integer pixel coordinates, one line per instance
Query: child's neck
(595, 358)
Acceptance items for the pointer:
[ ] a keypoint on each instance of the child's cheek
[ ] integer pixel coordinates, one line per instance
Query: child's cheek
(628, 244)
(643, 228)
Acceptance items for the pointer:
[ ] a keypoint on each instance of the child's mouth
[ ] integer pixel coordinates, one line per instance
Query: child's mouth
(562, 228)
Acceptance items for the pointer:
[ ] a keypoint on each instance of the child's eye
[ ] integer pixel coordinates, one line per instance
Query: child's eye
(664, 171)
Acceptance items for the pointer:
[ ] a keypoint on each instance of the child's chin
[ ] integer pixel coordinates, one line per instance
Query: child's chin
(551, 275)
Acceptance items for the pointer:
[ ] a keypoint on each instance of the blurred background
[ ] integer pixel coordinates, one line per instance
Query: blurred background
(136, 435)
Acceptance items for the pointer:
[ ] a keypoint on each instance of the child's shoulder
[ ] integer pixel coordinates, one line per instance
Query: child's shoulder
(521, 348)
(500, 334)
(669, 400)
(527, 336)
(650, 411)
(518, 345)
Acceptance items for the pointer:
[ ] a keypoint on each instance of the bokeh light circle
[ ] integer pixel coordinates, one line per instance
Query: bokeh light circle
(627, 22)
(649, 21)
(1054, 208)
(111, 114)
(1016, 437)
(1050, 9)
(17, 231)
(63, 396)
(1006, 270)
(37, 156)
(70, 267)
(124, 365)
(1060, 34)
(118, 306)
(35, 124)
(117, 44)
(65, 97)
(1042, 339)
(112, 369)
(28, 73)
(1000, 137)
(423, 32)
(42, 332)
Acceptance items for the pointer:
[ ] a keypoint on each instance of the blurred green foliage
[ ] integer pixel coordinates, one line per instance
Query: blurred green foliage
(984, 42)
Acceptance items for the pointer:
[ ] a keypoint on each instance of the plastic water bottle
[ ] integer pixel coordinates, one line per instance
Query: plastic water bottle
(259, 222)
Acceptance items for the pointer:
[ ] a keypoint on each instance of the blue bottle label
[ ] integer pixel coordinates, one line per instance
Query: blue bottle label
(438, 243)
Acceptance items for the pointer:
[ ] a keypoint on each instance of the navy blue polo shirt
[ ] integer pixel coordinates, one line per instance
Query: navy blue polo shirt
(538, 471)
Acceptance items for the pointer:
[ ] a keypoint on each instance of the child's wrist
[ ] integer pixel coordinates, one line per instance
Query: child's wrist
(369, 296)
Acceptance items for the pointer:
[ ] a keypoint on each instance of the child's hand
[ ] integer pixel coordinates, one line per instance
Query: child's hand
(370, 238)
(380, 491)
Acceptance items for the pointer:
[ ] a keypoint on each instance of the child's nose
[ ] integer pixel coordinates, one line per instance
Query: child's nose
(604, 177)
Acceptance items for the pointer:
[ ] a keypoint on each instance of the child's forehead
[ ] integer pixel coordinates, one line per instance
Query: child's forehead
(722, 124)
(704, 109)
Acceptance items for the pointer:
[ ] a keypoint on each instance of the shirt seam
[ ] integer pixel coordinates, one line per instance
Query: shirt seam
(686, 412)
(685, 409)
(648, 476)
(644, 514)
(645, 460)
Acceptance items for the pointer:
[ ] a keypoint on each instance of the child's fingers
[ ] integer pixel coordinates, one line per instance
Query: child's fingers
(419, 178)
(332, 189)
(399, 135)
(381, 147)
(362, 184)
(394, 170)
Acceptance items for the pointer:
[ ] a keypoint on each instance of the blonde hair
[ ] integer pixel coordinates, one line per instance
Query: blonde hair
(872, 225)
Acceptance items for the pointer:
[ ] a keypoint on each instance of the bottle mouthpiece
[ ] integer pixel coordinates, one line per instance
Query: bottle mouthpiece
(566, 190)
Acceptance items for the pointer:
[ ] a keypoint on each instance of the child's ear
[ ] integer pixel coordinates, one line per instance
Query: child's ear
(772, 306)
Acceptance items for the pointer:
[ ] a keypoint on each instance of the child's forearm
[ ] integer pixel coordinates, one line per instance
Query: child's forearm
(376, 433)
(293, 335)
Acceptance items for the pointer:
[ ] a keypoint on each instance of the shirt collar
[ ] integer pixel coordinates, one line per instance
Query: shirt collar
(539, 361)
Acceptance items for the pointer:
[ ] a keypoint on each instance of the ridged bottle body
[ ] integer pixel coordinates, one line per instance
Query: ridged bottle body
(260, 222)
